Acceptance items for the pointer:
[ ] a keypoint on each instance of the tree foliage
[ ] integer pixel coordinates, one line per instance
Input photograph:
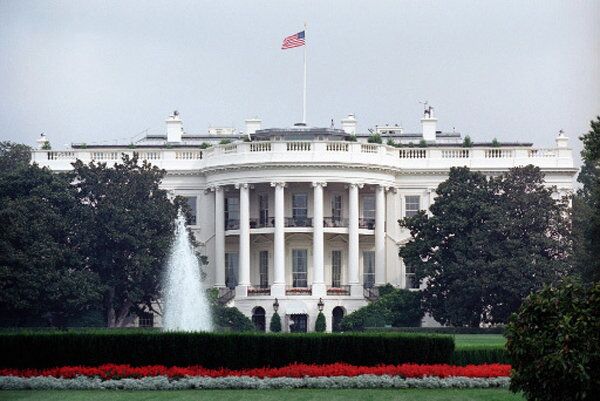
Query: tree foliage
(489, 243)
(128, 227)
(43, 275)
(586, 208)
(275, 324)
(554, 344)
(320, 324)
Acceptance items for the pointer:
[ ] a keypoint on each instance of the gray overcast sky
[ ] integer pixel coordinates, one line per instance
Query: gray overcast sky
(90, 71)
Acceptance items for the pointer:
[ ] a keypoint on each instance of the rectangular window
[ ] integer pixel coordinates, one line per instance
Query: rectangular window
(413, 205)
(336, 268)
(300, 209)
(231, 269)
(299, 268)
(264, 269)
(146, 319)
(368, 211)
(263, 210)
(368, 269)
(336, 209)
(193, 209)
(411, 279)
(232, 213)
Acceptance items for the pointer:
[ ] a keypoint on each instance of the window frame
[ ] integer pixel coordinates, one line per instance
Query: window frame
(297, 274)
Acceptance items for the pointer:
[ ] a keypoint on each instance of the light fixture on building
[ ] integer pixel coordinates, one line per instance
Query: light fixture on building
(320, 305)
(276, 305)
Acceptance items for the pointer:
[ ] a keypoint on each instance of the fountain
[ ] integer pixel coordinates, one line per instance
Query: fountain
(185, 305)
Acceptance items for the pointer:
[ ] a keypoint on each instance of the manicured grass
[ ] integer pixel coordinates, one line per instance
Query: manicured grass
(267, 395)
(479, 340)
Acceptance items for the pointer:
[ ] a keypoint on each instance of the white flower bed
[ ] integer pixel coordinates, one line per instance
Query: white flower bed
(245, 382)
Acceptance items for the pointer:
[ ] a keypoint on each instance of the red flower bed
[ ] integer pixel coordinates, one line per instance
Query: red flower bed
(110, 371)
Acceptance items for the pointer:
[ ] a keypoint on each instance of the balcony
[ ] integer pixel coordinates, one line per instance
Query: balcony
(334, 222)
(339, 290)
(262, 222)
(298, 222)
(259, 292)
(369, 224)
(298, 291)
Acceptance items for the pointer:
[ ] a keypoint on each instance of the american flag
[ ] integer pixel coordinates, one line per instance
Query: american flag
(295, 40)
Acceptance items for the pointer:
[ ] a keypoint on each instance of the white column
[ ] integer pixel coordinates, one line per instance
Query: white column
(379, 235)
(244, 262)
(355, 289)
(318, 286)
(219, 237)
(278, 287)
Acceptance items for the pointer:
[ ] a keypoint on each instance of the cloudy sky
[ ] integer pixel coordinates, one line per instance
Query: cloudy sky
(91, 71)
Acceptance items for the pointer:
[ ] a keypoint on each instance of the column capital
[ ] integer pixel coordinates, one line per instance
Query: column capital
(358, 185)
(278, 184)
(321, 184)
(213, 188)
(243, 185)
(391, 189)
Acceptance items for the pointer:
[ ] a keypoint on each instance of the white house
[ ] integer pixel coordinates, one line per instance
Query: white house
(303, 214)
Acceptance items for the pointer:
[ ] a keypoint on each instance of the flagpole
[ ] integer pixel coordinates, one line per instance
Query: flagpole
(304, 89)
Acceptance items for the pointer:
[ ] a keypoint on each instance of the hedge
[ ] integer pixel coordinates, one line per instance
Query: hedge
(214, 350)
(480, 355)
(440, 330)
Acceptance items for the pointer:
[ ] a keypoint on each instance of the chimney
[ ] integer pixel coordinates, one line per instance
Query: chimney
(174, 127)
(252, 125)
(562, 141)
(429, 124)
(349, 124)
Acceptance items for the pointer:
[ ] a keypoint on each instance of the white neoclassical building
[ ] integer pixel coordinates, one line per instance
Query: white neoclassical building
(307, 218)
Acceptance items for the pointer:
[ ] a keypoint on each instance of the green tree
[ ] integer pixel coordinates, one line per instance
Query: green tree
(275, 324)
(554, 343)
(586, 208)
(320, 324)
(43, 274)
(128, 226)
(488, 244)
(374, 138)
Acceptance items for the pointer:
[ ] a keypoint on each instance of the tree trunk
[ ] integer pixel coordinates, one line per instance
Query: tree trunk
(121, 318)
(110, 310)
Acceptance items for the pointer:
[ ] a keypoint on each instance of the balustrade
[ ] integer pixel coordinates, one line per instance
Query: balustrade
(455, 153)
(303, 146)
(412, 153)
(188, 155)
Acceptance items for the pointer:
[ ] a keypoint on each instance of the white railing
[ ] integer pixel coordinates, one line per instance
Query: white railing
(260, 147)
(541, 153)
(230, 148)
(105, 155)
(61, 155)
(298, 146)
(412, 153)
(150, 155)
(336, 147)
(455, 153)
(188, 155)
(499, 153)
(368, 148)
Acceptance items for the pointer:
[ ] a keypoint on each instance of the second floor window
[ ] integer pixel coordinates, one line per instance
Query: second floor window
(193, 208)
(263, 210)
(413, 205)
(264, 269)
(368, 269)
(368, 211)
(300, 206)
(232, 213)
(336, 268)
(299, 268)
(231, 269)
(336, 208)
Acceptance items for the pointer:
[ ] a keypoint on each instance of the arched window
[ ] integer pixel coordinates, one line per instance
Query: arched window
(258, 318)
(336, 321)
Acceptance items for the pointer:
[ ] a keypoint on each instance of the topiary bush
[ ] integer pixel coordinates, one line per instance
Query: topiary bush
(553, 342)
(275, 325)
(320, 324)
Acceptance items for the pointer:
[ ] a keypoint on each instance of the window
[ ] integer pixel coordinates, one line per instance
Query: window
(263, 210)
(258, 318)
(411, 279)
(232, 213)
(300, 208)
(336, 268)
(145, 319)
(368, 212)
(263, 269)
(192, 205)
(368, 269)
(231, 269)
(336, 321)
(336, 209)
(299, 270)
(299, 323)
(413, 205)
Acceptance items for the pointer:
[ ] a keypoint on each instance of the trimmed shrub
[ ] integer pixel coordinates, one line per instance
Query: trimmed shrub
(480, 355)
(441, 330)
(275, 325)
(230, 319)
(374, 138)
(320, 324)
(372, 315)
(214, 350)
(554, 344)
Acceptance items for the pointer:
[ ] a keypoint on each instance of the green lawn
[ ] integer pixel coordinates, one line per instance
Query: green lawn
(266, 395)
(478, 340)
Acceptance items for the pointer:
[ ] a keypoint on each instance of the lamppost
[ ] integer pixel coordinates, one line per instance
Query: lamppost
(276, 305)
(320, 305)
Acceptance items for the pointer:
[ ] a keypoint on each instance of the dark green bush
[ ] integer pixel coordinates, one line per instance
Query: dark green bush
(372, 315)
(320, 324)
(554, 344)
(230, 319)
(440, 330)
(212, 350)
(479, 355)
(275, 325)
(374, 138)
